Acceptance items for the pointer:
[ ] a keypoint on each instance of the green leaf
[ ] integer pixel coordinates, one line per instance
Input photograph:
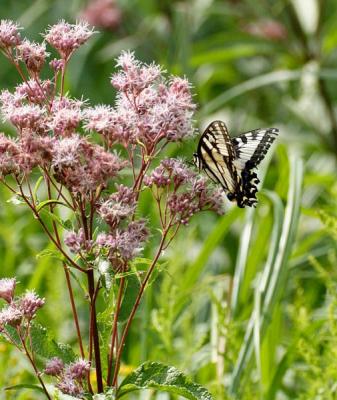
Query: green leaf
(154, 375)
(16, 200)
(24, 386)
(49, 202)
(50, 253)
(274, 275)
(67, 225)
(46, 347)
(130, 294)
(36, 187)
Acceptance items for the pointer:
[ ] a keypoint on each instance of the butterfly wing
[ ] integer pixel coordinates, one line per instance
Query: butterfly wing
(250, 149)
(216, 155)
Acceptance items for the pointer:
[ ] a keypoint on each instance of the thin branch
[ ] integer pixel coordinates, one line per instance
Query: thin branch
(135, 307)
(115, 328)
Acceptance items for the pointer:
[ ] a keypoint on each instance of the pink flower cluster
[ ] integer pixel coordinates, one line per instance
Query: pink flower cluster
(69, 376)
(19, 310)
(148, 108)
(186, 192)
(66, 38)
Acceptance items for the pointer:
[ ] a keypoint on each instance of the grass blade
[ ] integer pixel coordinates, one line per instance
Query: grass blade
(276, 271)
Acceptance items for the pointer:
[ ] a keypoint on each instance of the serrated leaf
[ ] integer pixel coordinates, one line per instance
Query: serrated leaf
(154, 375)
(46, 347)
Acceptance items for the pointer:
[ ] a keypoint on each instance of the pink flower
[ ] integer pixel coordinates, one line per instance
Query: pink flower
(66, 38)
(29, 303)
(35, 150)
(33, 55)
(68, 385)
(54, 367)
(104, 14)
(77, 242)
(126, 244)
(9, 100)
(35, 92)
(10, 315)
(27, 116)
(66, 116)
(118, 206)
(9, 34)
(7, 287)
(56, 64)
(9, 156)
(82, 166)
(78, 369)
(135, 76)
(268, 29)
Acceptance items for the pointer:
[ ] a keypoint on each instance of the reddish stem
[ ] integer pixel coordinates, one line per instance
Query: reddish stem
(134, 309)
(115, 328)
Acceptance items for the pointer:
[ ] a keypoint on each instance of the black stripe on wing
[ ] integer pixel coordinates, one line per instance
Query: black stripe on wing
(216, 152)
(251, 147)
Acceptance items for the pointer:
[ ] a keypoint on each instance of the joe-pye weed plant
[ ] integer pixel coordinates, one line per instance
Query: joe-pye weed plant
(92, 164)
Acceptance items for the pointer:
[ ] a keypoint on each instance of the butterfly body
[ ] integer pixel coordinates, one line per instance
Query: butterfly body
(230, 161)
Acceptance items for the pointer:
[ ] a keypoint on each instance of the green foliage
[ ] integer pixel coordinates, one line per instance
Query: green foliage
(153, 375)
(246, 301)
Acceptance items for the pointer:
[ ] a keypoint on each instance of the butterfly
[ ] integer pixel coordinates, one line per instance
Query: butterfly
(230, 162)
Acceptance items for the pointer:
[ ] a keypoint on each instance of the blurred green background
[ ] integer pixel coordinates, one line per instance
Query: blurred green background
(252, 64)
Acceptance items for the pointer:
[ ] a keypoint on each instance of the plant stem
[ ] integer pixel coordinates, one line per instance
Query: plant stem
(94, 330)
(67, 275)
(37, 373)
(37, 215)
(114, 328)
(135, 307)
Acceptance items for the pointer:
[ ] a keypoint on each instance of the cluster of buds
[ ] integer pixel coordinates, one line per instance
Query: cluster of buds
(69, 377)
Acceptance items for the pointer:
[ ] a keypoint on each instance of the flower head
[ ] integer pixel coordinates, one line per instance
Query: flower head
(54, 367)
(29, 303)
(135, 76)
(68, 385)
(7, 287)
(33, 55)
(10, 154)
(82, 166)
(10, 315)
(78, 369)
(118, 206)
(104, 14)
(170, 171)
(35, 92)
(124, 245)
(9, 34)
(66, 116)
(77, 242)
(66, 38)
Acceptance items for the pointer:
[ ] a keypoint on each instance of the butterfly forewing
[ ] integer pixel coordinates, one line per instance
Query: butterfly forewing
(216, 153)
